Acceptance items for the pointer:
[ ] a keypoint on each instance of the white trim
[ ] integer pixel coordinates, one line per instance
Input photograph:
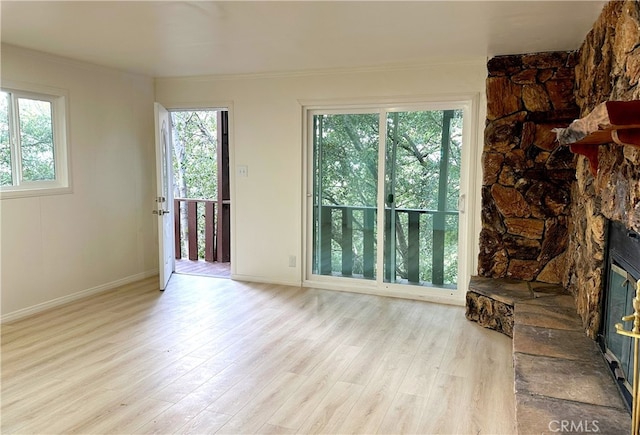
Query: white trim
(469, 104)
(228, 107)
(263, 280)
(40, 191)
(33, 88)
(470, 185)
(425, 294)
(374, 103)
(35, 309)
(224, 106)
(406, 66)
(62, 184)
(232, 187)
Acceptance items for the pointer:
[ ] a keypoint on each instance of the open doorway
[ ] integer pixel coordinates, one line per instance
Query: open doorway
(200, 147)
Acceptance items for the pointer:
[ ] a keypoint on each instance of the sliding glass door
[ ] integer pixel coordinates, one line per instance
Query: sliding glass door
(422, 186)
(389, 169)
(345, 190)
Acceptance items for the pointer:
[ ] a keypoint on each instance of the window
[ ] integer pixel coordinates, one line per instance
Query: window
(33, 147)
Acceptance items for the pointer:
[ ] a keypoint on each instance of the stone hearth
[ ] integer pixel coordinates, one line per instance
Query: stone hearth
(560, 374)
(490, 302)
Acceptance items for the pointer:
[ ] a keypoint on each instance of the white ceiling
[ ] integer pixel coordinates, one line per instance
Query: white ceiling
(180, 38)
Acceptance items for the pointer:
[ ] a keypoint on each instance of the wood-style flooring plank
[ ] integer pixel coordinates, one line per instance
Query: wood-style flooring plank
(216, 356)
(376, 398)
(123, 414)
(404, 415)
(263, 405)
(333, 409)
(299, 405)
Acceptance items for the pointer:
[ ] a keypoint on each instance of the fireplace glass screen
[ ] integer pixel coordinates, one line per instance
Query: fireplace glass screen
(619, 303)
(623, 272)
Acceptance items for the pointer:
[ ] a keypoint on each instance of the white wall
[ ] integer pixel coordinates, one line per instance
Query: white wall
(266, 135)
(54, 248)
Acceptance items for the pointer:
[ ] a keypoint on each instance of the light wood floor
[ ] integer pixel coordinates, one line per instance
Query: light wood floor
(201, 267)
(217, 356)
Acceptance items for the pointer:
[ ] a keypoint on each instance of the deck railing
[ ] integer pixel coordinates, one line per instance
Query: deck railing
(213, 233)
(347, 225)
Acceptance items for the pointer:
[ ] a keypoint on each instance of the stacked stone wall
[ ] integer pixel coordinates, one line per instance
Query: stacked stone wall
(527, 179)
(608, 68)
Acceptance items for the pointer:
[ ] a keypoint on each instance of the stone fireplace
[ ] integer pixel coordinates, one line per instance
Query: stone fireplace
(546, 216)
(527, 179)
(608, 69)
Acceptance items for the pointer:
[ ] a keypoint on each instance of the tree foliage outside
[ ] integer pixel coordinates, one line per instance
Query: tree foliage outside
(34, 128)
(418, 138)
(346, 174)
(195, 140)
(347, 151)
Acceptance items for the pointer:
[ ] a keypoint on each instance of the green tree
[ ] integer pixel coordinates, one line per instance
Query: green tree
(418, 138)
(36, 139)
(194, 139)
(346, 162)
(34, 128)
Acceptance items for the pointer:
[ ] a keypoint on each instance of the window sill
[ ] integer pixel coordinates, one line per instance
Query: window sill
(33, 192)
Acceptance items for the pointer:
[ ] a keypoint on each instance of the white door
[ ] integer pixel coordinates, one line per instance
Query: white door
(164, 196)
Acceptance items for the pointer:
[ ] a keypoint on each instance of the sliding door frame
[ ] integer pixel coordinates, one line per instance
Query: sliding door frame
(469, 104)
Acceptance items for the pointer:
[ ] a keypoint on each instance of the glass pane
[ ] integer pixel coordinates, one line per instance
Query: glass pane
(422, 185)
(5, 141)
(619, 304)
(36, 139)
(345, 191)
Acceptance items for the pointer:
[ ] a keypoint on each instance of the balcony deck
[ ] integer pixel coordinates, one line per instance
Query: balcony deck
(201, 267)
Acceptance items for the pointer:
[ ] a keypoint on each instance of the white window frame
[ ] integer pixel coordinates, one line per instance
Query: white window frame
(59, 118)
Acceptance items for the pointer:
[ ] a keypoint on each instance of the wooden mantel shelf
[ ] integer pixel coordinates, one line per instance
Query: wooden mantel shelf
(610, 122)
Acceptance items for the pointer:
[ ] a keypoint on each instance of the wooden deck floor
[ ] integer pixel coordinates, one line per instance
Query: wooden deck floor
(212, 355)
(201, 267)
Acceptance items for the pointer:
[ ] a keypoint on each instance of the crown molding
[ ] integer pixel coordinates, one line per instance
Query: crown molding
(407, 66)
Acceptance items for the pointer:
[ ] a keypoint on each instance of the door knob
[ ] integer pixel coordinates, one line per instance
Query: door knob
(161, 212)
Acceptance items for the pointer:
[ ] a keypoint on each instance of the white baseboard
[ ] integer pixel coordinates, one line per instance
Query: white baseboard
(448, 297)
(424, 294)
(263, 280)
(25, 312)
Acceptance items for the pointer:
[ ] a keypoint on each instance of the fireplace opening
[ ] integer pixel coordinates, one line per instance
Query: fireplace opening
(623, 271)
